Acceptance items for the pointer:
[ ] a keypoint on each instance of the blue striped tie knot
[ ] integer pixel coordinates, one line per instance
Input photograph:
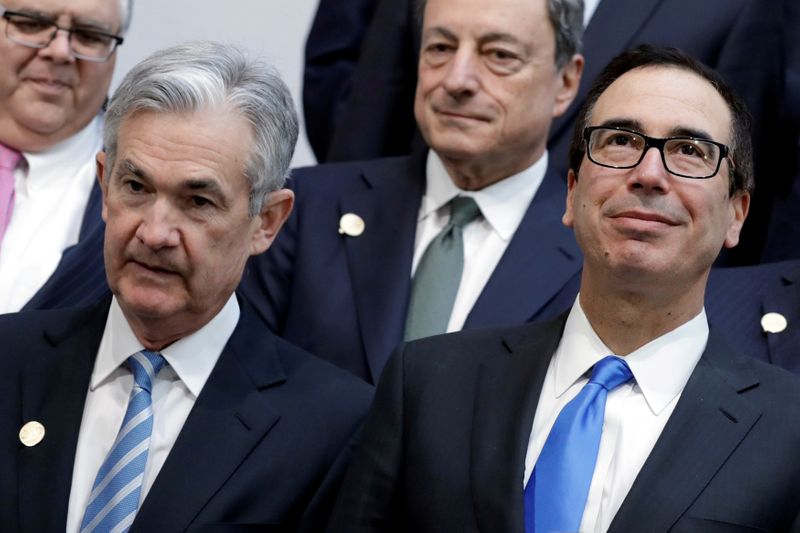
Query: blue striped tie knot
(118, 486)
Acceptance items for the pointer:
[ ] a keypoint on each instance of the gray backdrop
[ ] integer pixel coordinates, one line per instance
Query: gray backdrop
(273, 29)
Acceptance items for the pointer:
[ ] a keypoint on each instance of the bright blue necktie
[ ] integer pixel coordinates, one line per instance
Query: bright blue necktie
(118, 486)
(555, 496)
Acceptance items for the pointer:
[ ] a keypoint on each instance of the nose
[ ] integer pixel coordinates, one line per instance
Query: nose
(650, 175)
(59, 48)
(461, 79)
(158, 228)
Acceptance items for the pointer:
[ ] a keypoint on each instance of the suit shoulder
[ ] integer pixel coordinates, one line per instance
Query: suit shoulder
(469, 348)
(779, 385)
(24, 323)
(328, 381)
(331, 174)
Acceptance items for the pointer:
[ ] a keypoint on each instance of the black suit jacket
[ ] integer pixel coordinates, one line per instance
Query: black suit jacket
(739, 38)
(737, 298)
(260, 445)
(344, 298)
(444, 445)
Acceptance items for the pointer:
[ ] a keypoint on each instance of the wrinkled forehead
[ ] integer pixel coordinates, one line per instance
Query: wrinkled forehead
(526, 21)
(662, 101)
(104, 14)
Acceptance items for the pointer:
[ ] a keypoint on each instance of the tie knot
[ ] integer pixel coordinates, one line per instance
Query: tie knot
(464, 211)
(145, 365)
(610, 372)
(9, 157)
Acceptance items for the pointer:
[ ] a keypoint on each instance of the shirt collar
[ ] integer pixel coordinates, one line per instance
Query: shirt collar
(502, 204)
(192, 358)
(661, 367)
(67, 157)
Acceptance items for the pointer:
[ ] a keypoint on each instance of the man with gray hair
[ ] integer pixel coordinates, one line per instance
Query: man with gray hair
(170, 406)
(58, 59)
(467, 234)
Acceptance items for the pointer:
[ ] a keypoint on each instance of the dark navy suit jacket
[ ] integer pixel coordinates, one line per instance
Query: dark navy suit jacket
(263, 443)
(344, 298)
(739, 38)
(737, 298)
(80, 277)
(443, 447)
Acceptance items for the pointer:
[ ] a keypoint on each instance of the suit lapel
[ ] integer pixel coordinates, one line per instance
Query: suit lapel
(231, 415)
(540, 260)
(709, 421)
(785, 300)
(379, 260)
(600, 45)
(54, 389)
(506, 397)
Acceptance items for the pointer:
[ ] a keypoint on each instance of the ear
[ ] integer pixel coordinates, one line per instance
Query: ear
(572, 181)
(569, 80)
(103, 177)
(740, 205)
(273, 214)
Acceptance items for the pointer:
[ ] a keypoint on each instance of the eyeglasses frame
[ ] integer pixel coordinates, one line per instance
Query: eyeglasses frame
(658, 143)
(116, 39)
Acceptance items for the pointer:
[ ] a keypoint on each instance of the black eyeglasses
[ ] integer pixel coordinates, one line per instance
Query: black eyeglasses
(688, 157)
(37, 32)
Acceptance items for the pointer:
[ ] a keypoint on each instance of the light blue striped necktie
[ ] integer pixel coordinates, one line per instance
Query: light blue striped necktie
(115, 494)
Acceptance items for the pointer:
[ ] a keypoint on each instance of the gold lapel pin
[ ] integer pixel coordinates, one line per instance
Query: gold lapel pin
(31, 433)
(351, 225)
(773, 323)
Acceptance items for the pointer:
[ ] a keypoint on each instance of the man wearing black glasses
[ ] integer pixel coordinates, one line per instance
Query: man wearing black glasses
(627, 413)
(58, 57)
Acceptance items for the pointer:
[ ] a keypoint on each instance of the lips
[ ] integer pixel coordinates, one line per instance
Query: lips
(646, 216)
(155, 268)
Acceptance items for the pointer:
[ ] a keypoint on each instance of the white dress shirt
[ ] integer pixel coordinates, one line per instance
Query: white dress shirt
(503, 205)
(589, 7)
(175, 389)
(636, 412)
(51, 193)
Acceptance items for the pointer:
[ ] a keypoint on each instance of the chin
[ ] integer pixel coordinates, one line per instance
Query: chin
(149, 303)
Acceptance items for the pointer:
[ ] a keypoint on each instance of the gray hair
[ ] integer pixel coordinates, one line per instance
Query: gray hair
(207, 75)
(125, 12)
(566, 17)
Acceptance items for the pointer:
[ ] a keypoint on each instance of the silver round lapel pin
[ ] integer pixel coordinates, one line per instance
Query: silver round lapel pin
(351, 225)
(31, 433)
(773, 323)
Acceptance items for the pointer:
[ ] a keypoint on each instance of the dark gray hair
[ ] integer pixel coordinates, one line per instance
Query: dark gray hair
(207, 75)
(566, 17)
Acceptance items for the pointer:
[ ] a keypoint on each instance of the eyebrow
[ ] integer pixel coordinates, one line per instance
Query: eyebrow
(441, 31)
(76, 22)
(194, 184)
(677, 131)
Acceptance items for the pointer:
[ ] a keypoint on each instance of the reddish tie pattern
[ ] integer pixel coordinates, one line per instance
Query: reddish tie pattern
(9, 159)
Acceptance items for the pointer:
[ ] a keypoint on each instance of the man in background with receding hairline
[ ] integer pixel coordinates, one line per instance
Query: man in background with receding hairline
(464, 234)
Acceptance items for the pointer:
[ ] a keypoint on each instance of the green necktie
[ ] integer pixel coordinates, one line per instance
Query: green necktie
(438, 275)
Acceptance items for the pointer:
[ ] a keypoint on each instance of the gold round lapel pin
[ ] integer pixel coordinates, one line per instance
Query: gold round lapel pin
(351, 225)
(773, 323)
(31, 433)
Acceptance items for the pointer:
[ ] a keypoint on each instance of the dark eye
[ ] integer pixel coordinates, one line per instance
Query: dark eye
(29, 25)
(134, 186)
(620, 140)
(90, 38)
(200, 201)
